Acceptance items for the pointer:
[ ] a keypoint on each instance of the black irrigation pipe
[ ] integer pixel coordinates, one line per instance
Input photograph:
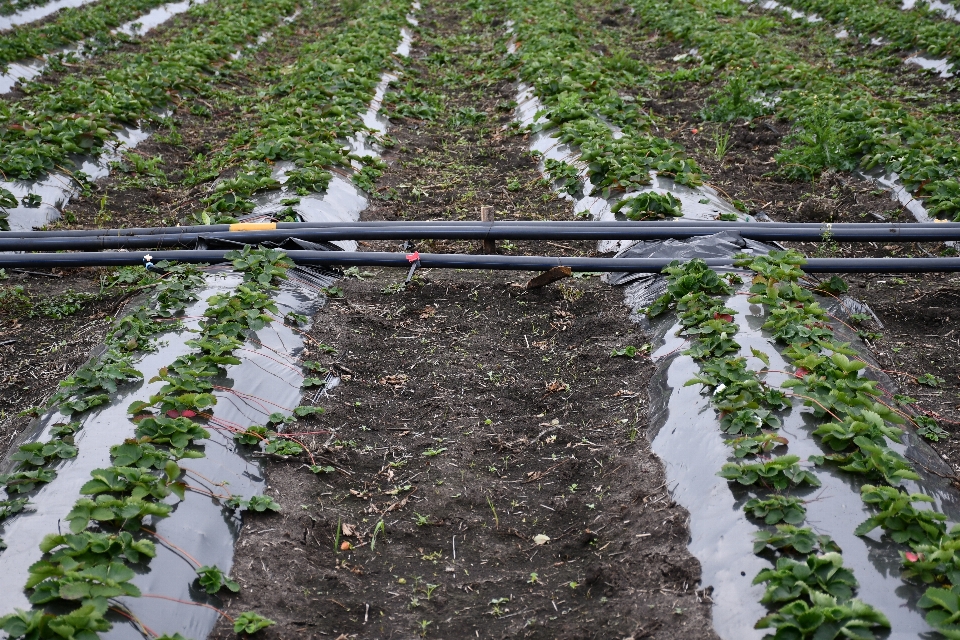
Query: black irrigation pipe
(461, 261)
(188, 237)
(497, 227)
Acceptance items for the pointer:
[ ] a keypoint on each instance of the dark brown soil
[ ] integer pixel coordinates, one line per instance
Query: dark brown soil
(487, 416)
(919, 336)
(473, 415)
(37, 351)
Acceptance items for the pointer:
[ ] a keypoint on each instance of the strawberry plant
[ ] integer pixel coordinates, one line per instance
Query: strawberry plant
(86, 567)
(305, 410)
(779, 473)
(212, 579)
(899, 518)
(748, 422)
(790, 538)
(876, 461)
(777, 508)
(685, 278)
(844, 117)
(97, 377)
(135, 482)
(649, 205)
(126, 513)
(565, 175)
(50, 123)
(255, 503)
(841, 435)
(38, 454)
(756, 445)
(824, 617)
(10, 507)
(147, 456)
(83, 622)
(831, 381)
(905, 30)
(930, 380)
(69, 26)
(89, 548)
(938, 562)
(337, 74)
(943, 610)
(792, 580)
(97, 582)
(282, 446)
(7, 201)
(250, 622)
(251, 435)
(177, 432)
(310, 381)
(25, 481)
(263, 265)
(929, 429)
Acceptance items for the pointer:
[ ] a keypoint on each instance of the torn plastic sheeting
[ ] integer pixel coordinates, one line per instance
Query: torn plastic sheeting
(686, 435)
(941, 66)
(289, 244)
(267, 381)
(725, 244)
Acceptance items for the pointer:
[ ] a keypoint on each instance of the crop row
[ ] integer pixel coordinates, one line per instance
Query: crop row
(12, 6)
(306, 112)
(859, 422)
(586, 98)
(71, 26)
(838, 122)
(875, 63)
(878, 68)
(816, 590)
(921, 28)
(79, 114)
(91, 384)
(86, 567)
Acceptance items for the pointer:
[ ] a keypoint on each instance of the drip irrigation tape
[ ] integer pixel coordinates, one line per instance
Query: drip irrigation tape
(461, 261)
(188, 237)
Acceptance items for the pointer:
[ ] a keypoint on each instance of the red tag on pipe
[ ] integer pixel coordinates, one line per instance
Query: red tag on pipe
(413, 257)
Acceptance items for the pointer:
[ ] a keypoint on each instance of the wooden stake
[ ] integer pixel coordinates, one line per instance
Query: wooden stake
(547, 277)
(486, 215)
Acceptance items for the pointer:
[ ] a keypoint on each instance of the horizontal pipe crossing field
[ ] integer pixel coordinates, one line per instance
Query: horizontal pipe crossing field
(461, 261)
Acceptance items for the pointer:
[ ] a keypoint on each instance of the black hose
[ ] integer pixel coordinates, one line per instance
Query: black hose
(461, 261)
(187, 237)
(502, 226)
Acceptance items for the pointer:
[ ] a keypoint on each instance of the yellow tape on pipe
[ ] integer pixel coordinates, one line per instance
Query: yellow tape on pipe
(253, 226)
